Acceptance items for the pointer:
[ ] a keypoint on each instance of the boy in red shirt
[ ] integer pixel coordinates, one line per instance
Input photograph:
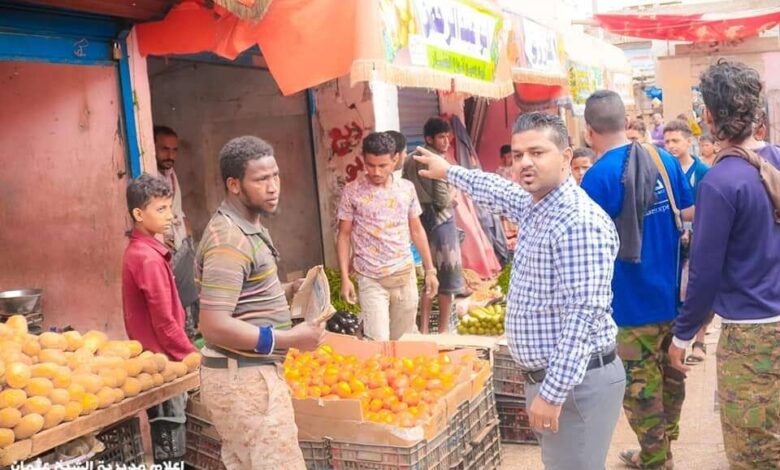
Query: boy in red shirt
(153, 312)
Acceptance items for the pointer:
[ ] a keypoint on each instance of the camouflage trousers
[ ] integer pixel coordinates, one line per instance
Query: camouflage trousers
(654, 391)
(749, 393)
(251, 409)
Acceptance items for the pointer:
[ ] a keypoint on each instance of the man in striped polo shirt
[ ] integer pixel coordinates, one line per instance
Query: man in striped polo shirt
(245, 317)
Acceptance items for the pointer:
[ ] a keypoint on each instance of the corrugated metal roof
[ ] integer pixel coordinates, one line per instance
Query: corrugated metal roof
(415, 106)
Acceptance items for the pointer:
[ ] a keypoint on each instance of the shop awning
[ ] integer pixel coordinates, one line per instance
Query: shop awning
(703, 27)
(452, 45)
(594, 64)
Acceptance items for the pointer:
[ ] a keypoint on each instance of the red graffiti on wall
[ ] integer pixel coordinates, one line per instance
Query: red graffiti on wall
(353, 170)
(343, 142)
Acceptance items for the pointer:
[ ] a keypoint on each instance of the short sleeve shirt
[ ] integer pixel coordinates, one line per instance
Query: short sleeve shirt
(380, 224)
(237, 273)
(644, 292)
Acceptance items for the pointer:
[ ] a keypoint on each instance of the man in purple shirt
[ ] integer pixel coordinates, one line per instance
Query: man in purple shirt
(657, 132)
(735, 269)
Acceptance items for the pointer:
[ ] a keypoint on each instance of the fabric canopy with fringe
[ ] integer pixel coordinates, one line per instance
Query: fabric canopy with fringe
(704, 27)
(306, 43)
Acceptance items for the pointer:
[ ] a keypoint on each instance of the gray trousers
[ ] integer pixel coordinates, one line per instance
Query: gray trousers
(587, 420)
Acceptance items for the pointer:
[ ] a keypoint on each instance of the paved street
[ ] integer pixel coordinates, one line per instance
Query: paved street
(700, 445)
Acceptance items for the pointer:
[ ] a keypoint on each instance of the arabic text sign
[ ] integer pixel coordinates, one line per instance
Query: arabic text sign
(583, 81)
(456, 27)
(451, 36)
(540, 46)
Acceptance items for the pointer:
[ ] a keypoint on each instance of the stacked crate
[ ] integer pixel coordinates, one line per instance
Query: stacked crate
(484, 448)
(510, 399)
(204, 446)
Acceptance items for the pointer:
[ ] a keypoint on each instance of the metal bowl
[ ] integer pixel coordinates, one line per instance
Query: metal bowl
(22, 301)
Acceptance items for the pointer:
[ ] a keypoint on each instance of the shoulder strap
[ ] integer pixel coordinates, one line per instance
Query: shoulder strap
(665, 177)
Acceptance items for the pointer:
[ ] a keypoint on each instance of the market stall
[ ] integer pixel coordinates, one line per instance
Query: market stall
(390, 405)
(593, 65)
(58, 387)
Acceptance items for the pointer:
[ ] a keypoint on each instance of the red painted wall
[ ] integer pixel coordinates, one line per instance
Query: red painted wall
(496, 132)
(62, 204)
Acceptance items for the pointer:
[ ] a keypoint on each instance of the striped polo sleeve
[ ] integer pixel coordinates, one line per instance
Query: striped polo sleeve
(225, 261)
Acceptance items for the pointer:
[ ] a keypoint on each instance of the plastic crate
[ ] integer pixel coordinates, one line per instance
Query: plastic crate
(204, 447)
(316, 454)
(437, 455)
(515, 427)
(459, 465)
(351, 456)
(482, 411)
(507, 375)
(204, 450)
(459, 441)
(485, 453)
(123, 443)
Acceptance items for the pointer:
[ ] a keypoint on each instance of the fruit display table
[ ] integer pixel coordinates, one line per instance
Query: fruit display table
(65, 432)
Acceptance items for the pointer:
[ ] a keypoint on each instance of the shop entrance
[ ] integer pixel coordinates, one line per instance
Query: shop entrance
(208, 103)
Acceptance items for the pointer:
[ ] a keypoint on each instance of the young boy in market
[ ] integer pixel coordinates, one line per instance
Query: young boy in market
(153, 313)
(708, 148)
(581, 161)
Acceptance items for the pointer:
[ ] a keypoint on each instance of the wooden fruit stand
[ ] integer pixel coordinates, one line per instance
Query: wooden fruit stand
(66, 432)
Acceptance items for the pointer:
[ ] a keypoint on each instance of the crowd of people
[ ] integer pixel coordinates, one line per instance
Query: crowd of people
(602, 238)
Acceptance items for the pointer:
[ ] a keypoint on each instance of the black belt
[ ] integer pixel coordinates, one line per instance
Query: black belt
(597, 360)
(241, 361)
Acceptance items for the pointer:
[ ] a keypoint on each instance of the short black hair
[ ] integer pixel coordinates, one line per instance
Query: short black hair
(554, 125)
(400, 140)
(238, 152)
(706, 137)
(638, 125)
(678, 125)
(435, 126)
(506, 148)
(142, 190)
(605, 112)
(378, 143)
(164, 130)
(732, 93)
(584, 152)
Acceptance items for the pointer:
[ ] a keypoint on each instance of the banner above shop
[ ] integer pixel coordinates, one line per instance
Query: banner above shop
(534, 52)
(452, 45)
(583, 81)
(702, 27)
(592, 65)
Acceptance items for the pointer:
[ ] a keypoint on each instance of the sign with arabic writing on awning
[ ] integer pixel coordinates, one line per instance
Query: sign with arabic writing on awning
(592, 65)
(583, 81)
(455, 38)
(538, 60)
(440, 44)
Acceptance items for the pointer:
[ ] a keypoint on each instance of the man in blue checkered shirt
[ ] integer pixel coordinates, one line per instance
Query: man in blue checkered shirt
(559, 319)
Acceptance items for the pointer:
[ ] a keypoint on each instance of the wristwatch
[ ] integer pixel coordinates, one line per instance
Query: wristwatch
(431, 271)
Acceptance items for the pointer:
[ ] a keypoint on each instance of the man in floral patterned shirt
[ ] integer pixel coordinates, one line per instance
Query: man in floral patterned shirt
(378, 215)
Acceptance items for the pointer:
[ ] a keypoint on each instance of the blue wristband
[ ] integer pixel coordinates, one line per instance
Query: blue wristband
(265, 340)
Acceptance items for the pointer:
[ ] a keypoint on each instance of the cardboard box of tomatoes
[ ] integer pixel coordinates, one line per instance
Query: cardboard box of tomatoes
(384, 393)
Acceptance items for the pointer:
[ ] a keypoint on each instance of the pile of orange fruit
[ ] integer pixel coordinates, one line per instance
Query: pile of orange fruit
(398, 391)
(52, 378)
